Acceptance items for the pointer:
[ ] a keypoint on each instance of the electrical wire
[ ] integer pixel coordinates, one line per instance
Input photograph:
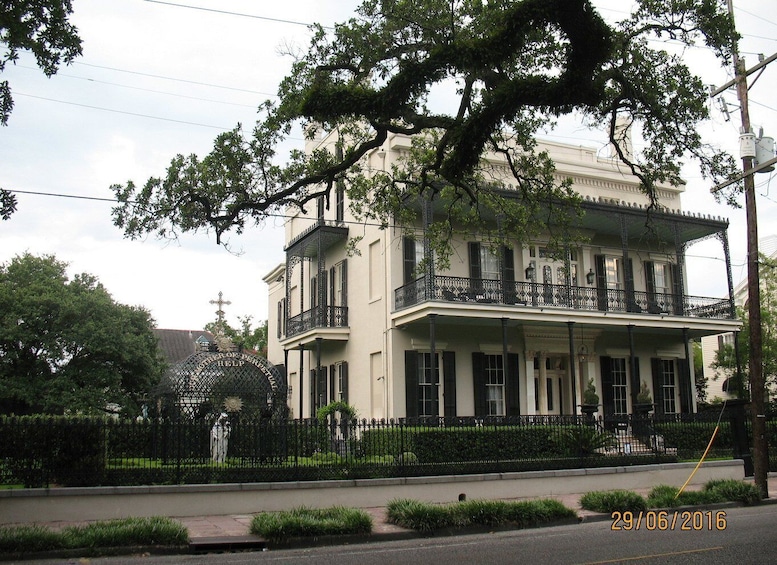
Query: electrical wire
(266, 18)
(122, 112)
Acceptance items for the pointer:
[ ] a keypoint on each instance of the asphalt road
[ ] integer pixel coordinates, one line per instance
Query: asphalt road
(741, 535)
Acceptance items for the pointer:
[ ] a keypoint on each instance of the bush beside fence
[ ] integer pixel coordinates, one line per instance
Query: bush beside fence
(47, 451)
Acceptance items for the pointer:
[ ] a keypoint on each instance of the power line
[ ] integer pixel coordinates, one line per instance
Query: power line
(174, 79)
(123, 112)
(96, 81)
(266, 18)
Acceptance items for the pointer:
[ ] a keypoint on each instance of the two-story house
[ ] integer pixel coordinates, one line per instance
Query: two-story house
(512, 331)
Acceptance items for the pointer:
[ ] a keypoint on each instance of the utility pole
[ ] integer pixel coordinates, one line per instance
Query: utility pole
(757, 384)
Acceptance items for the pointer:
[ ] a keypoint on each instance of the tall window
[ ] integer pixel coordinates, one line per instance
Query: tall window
(489, 264)
(619, 385)
(427, 389)
(495, 385)
(612, 271)
(668, 384)
(661, 279)
(413, 254)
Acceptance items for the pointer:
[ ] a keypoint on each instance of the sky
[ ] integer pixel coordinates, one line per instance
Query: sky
(158, 79)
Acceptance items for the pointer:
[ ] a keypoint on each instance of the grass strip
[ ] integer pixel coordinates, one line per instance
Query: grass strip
(279, 527)
(665, 496)
(428, 517)
(158, 531)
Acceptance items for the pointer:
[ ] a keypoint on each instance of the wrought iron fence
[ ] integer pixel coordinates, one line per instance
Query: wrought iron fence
(537, 294)
(43, 452)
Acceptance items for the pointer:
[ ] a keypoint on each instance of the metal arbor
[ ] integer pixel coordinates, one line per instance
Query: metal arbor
(208, 383)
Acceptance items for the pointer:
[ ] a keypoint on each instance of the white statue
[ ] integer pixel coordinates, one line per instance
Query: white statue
(219, 438)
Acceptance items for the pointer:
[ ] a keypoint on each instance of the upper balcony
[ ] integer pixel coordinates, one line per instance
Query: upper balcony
(538, 295)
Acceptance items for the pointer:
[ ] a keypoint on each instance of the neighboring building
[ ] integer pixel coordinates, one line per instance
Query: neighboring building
(178, 345)
(511, 333)
(717, 381)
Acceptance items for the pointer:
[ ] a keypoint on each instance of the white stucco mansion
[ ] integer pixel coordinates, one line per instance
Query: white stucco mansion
(508, 333)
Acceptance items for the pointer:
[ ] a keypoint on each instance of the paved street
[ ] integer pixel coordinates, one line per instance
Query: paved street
(749, 536)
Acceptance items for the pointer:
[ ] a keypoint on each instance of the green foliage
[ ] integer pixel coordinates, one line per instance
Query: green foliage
(67, 346)
(125, 532)
(613, 501)
(346, 411)
(517, 67)
(67, 451)
(244, 338)
(586, 441)
(692, 438)
(726, 358)
(733, 490)
(279, 527)
(665, 496)
(428, 517)
(643, 396)
(43, 28)
(589, 393)
(441, 445)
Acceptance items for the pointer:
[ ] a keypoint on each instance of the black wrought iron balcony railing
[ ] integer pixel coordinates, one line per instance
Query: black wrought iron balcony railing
(317, 317)
(539, 295)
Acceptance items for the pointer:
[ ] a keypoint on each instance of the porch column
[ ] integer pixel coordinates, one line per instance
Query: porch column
(505, 364)
(543, 382)
(433, 365)
(572, 363)
(429, 283)
(301, 381)
(687, 388)
(318, 375)
(530, 392)
(632, 369)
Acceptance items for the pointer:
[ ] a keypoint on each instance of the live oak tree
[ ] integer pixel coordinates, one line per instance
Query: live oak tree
(510, 68)
(726, 357)
(41, 27)
(246, 337)
(67, 346)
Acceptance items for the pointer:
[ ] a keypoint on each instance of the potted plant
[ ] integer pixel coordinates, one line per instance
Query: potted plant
(590, 403)
(644, 400)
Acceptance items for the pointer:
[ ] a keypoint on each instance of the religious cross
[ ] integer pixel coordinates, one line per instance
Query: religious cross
(221, 303)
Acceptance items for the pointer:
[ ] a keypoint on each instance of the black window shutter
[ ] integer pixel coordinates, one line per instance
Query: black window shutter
(601, 282)
(449, 380)
(344, 282)
(508, 266)
(512, 391)
(658, 385)
(677, 290)
(332, 383)
(411, 384)
(474, 260)
(608, 399)
(408, 256)
(650, 277)
(631, 301)
(479, 382)
(313, 393)
(344, 391)
(684, 378)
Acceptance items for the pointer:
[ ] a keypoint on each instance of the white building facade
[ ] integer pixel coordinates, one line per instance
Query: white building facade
(505, 333)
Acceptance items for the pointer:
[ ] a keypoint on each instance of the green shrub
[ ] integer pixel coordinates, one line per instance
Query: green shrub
(113, 533)
(665, 496)
(279, 527)
(586, 441)
(613, 501)
(691, 438)
(735, 491)
(427, 517)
